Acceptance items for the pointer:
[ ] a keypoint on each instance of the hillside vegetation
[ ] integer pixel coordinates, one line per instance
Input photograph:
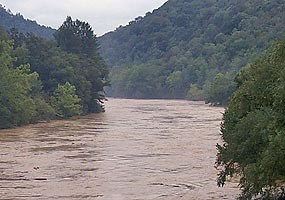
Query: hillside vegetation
(190, 48)
(8, 21)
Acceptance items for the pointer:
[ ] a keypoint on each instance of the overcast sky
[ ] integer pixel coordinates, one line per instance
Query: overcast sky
(102, 15)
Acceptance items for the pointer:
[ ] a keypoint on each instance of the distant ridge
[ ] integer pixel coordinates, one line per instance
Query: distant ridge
(8, 20)
(180, 49)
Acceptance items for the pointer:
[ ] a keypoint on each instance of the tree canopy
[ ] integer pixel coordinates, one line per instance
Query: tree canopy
(18, 88)
(41, 79)
(76, 37)
(253, 129)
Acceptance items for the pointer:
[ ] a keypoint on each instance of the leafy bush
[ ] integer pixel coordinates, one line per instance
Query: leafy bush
(65, 101)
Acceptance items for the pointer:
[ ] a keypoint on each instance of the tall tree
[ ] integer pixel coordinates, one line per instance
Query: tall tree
(77, 37)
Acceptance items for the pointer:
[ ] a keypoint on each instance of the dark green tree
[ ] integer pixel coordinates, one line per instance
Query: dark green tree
(76, 37)
(253, 129)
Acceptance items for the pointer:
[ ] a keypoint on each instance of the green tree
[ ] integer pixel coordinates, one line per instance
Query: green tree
(17, 104)
(76, 37)
(195, 94)
(34, 69)
(18, 87)
(253, 129)
(173, 82)
(219, 91)
(65, 101)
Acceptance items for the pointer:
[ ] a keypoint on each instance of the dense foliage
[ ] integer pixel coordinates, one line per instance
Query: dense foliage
(253, 129)
(41, 79)
(19, 88)
(9, 21)
(188, 43)
(65, 101)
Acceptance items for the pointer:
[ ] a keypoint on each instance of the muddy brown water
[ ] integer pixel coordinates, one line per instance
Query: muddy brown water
(137, 150)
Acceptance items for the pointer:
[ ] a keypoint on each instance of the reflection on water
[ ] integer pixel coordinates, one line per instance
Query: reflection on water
(137, 150)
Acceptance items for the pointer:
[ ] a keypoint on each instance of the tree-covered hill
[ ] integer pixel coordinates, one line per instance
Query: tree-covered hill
(9, 21)
(190, 48)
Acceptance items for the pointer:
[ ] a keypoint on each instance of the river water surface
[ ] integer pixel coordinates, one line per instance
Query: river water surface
(137, 150)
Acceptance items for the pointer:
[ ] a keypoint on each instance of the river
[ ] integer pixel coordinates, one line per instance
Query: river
(136, 150)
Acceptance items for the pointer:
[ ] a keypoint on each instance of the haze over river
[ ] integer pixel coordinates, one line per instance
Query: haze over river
(137, 150)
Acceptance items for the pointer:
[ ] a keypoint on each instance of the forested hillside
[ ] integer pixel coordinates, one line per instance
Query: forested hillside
(9, 21)
(190, 48)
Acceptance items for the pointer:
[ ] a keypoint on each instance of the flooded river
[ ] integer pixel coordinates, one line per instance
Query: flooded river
(137, 150)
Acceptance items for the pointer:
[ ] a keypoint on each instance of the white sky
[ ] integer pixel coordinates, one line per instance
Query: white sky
(102, 15)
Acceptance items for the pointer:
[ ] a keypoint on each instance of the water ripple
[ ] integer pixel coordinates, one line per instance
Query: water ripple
(137, 150)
